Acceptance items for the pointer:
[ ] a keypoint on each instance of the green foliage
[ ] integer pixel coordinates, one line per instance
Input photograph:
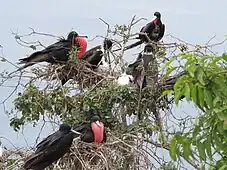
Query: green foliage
(205, 85)
(33, 103)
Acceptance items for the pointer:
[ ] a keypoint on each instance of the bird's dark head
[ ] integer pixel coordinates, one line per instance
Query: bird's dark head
(74, 34)
(157, 14)
(93, 116)
(95, 119)
(64, 127)
(107, 44)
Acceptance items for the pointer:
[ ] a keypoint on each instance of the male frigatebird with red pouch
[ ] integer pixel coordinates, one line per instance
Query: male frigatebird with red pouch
(58, 144)
(155, 31)
(92, 132)
(58, 52)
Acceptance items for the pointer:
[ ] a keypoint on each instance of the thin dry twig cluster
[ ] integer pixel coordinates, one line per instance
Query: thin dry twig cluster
(78, 72)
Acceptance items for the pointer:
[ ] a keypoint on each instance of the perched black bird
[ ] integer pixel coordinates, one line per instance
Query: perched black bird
(51, 148)
(140, 78)
(92, 132)
(57, 52)
(95, 55)
(155, 31)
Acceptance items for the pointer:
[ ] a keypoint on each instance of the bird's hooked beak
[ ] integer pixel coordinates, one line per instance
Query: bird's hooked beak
(83, 36)
(98, 123)
(78, 133)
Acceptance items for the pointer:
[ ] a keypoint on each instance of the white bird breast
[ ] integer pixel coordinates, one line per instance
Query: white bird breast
(124, 79)
(1, 151)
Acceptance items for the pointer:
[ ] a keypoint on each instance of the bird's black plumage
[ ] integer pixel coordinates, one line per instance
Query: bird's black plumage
(55, 53)
(94, 55)
(155, 31)
(51, 148)
(143, 59)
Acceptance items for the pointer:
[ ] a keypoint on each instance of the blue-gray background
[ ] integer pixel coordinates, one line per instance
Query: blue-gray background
(195, 21)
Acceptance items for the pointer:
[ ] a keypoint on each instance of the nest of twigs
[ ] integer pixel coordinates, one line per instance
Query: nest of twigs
(12, 159)
(80, 71)
(116, 154)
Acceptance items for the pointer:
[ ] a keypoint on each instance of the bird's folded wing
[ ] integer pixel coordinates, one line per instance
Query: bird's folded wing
(80, 128)
(58, 45)
(48, 141)
(91, 51)
(162, 31)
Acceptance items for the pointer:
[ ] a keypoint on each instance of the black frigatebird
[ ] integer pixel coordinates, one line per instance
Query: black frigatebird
(95, 55)
(57, 52)
(92, 132)
(155, 31)
(143, 59)
(51, 148)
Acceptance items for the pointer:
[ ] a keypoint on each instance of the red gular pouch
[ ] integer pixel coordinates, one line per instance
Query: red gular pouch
(82, 42)
(155, 21)
(98, 130)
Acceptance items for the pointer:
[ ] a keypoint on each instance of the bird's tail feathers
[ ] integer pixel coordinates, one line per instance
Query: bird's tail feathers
(35, 57)
(31, 160)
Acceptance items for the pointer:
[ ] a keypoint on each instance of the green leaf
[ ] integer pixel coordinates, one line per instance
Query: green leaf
(208, 98)
(196, 131)
(187, 92)
(225, 125)
(191, 70)
(194, 94)
(201, 96)
(207, 144)
(167, 64)
(224, 167)
(217, 59)
(220, 127)
(224, 56)
(221, 115)
(170, 70)
(201, 149)
(186, 148)
(200, 75)
(216, 100)
(173, 149)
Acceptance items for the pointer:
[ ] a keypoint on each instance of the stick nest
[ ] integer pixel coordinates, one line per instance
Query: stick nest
(80, 72)
(118, 153)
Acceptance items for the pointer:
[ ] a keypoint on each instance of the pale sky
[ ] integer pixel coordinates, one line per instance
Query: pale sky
(195, 21)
